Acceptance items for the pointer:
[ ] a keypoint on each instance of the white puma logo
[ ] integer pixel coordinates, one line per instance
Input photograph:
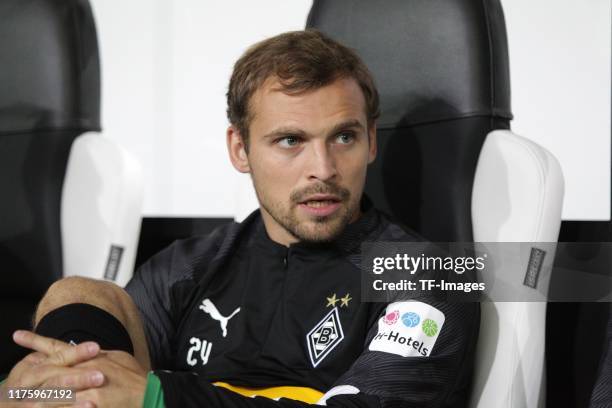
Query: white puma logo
(208, 307)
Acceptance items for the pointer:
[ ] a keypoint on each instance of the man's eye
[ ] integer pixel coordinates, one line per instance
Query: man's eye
(288, 141)
(345, 137)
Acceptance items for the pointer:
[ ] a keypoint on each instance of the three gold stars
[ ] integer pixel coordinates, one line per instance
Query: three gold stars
(344, 301)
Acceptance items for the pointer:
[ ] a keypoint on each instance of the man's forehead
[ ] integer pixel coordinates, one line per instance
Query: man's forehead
(273, 85)
(340, 101)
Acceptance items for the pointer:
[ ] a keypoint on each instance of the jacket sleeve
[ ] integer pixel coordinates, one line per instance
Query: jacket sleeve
(160, 286)
(418, 354)
(151, 290)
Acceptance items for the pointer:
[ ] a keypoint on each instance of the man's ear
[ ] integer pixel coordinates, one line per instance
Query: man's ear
(373, 147)
(237, 150)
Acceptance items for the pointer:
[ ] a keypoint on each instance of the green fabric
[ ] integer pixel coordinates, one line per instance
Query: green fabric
(154, 394)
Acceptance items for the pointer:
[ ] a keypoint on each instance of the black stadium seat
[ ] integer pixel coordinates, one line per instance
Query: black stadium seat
(50, 94)
(441, 68)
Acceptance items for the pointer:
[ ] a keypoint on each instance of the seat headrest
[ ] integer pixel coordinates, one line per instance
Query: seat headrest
(49, 67)
(432, 60)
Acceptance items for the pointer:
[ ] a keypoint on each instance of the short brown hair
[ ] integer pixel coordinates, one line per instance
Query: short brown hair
(302, 61)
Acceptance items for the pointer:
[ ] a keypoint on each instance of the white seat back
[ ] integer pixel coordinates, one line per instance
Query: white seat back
(517, 197)
(101, 210)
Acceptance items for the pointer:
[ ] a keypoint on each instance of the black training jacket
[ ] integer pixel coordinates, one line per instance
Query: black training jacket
(236, 307)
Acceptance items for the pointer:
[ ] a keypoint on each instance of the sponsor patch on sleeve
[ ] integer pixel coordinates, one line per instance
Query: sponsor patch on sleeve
(408, 329)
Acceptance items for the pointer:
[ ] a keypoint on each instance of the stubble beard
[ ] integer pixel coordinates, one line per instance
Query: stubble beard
(312, 229)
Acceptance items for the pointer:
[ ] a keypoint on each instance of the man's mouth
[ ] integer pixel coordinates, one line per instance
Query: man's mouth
(316, 204)
(320, 204)
(319, 200)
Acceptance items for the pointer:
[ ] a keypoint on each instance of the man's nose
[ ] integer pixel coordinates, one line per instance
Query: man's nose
(322, 163)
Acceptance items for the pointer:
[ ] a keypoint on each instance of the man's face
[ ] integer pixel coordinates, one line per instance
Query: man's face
(307, 156)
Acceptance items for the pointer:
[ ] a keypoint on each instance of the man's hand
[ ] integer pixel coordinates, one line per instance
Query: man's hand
(84, 368)
(51, 364)
(125, 381)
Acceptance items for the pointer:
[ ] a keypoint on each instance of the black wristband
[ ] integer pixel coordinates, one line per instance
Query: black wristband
(79, 322)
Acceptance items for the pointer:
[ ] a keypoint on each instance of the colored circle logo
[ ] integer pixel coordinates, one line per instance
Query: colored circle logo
(430, 328)
(410, 319)
(392, 317)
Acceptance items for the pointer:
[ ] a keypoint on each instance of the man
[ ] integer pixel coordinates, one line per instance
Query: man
(269, 306)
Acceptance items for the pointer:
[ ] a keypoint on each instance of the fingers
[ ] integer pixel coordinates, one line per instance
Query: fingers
(36, 342)
(71, 355)
(35, 358)
(77, 380)
(27, 364)
(56, 376)
(58, 352)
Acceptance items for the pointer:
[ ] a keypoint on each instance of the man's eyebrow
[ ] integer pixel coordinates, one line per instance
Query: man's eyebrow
(348, 124)
(293, 131)
(284, 131)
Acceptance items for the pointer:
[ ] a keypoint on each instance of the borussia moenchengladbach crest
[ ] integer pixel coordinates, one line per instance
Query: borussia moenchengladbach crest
(326, 335)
